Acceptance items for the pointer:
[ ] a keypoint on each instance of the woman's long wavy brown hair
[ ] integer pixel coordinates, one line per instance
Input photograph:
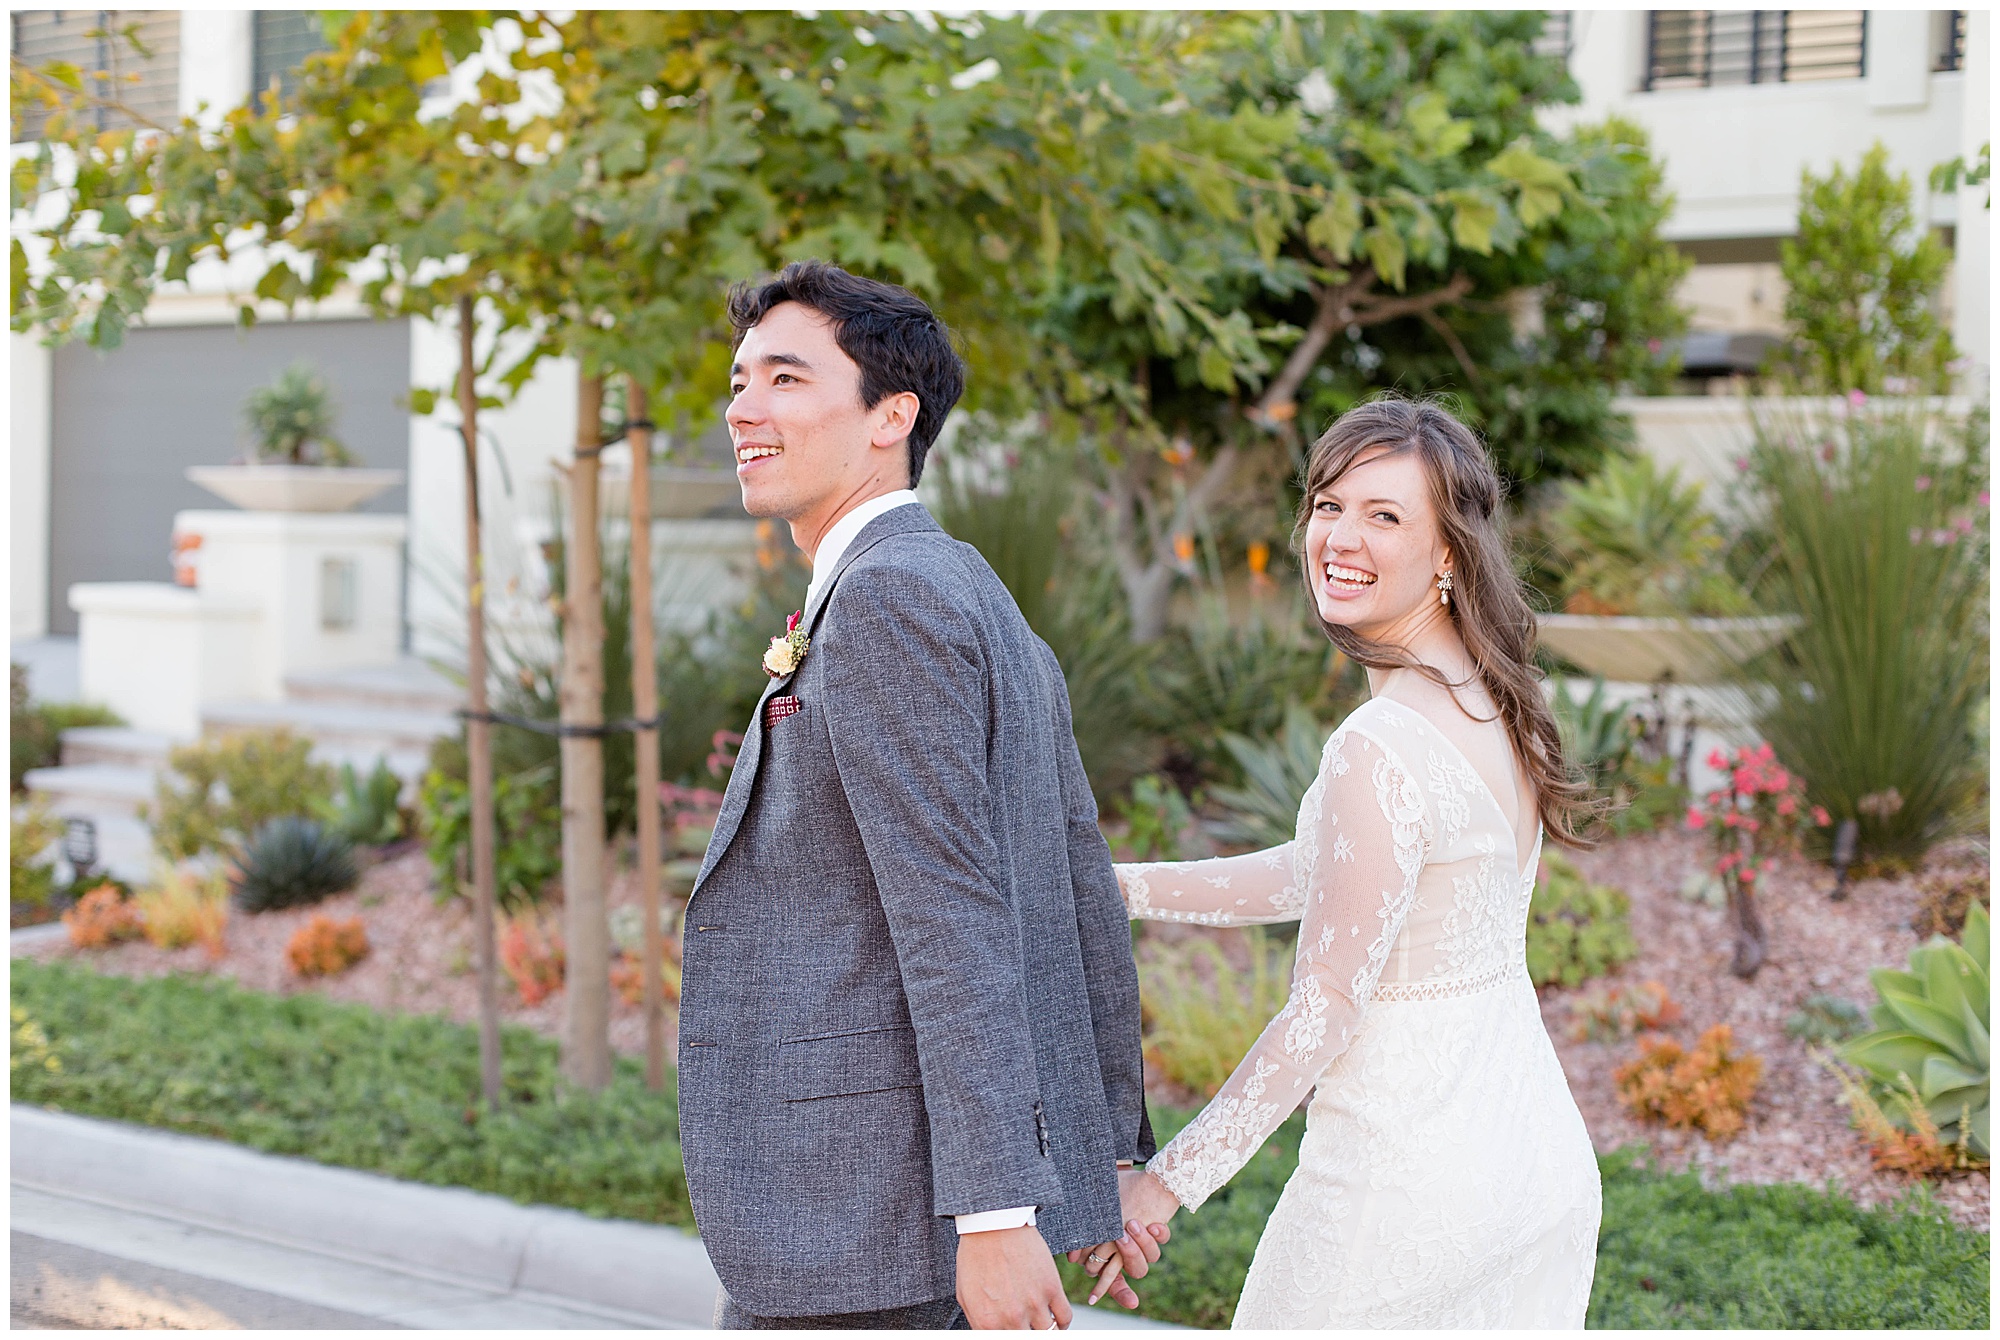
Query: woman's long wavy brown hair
(1488, 602)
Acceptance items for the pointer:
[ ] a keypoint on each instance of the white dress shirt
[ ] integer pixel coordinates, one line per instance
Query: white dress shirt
(825, 560)
(842, 533)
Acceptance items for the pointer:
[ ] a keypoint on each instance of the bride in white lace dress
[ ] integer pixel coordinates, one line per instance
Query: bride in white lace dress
(1445, 1178)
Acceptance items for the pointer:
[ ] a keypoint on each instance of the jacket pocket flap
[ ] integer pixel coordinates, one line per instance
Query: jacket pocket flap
(847, 1063)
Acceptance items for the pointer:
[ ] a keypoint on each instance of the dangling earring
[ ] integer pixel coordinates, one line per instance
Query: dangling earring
(1444, 588)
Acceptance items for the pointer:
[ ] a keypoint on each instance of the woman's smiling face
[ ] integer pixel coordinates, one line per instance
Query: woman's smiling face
(1374, 549)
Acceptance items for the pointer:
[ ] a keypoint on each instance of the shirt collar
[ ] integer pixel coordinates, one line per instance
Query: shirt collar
(842, 534)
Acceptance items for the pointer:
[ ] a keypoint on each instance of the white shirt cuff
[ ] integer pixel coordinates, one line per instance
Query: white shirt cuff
(985, 1221)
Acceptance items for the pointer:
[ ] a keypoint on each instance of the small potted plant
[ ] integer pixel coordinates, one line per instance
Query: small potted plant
(296, 462)
(1646, 597)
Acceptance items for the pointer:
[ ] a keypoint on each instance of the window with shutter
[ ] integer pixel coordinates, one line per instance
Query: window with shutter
(130, 60)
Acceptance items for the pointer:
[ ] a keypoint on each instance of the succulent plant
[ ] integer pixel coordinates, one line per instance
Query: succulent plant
(293, 862)
(292, 419)
(1823, 1020)
(1577, 930)
(1932, 1027)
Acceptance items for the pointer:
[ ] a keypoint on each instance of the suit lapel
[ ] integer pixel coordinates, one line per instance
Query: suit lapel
(743, 776)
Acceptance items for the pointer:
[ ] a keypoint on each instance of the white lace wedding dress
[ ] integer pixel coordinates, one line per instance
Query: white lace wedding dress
(1445, 1179)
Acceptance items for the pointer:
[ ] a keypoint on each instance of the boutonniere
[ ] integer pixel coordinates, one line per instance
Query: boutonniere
(782, 657)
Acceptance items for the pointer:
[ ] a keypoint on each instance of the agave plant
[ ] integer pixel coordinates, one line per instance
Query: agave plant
(1596, 733)
(293, 862)
(1264, 811)
(1639, 541)
(367, 812)
(1932, 1029)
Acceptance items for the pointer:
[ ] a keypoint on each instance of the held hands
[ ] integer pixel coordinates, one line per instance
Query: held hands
(1147, 1206)
(1007, 1281)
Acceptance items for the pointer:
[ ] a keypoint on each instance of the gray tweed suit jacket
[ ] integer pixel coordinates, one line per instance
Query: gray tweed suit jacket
(907, 981)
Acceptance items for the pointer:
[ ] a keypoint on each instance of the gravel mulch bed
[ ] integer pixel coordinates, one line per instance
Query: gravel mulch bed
(419, 961)
(1797, 1130)
(1798, 1127)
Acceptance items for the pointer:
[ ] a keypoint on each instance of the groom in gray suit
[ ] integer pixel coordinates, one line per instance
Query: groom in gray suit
(909, 1033)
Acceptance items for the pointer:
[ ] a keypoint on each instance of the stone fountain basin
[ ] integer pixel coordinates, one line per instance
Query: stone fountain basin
(1642, 650)
(294, 488)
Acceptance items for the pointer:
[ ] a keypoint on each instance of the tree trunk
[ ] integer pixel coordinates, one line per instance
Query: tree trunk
(1143, 530)
(646, 751)
(478, 730)
(586, 1059)
(1751, 941)
(1149, 590)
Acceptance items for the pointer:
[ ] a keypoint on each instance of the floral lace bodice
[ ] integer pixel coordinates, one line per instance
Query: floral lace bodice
(1408, 883)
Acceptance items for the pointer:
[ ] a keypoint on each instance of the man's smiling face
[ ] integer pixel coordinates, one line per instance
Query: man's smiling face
(804, 441)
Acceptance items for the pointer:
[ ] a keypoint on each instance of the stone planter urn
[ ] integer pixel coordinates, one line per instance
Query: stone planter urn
(1641, 650)
(294, 488)
(679, 492)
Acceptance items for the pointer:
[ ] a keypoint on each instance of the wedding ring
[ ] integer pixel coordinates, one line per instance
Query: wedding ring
(1096, 1260)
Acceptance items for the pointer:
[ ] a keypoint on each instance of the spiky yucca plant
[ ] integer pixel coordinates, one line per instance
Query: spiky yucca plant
(292, 862)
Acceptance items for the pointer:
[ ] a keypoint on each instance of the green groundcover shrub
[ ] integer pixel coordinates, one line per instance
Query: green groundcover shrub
(343, 1084)
(398, 1095)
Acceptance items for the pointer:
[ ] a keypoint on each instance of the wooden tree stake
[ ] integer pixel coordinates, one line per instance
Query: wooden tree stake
(478, 731)
(646, 750)
(586, 1059)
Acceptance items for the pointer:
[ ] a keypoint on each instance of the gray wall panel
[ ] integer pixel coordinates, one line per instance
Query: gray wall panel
(129, 422)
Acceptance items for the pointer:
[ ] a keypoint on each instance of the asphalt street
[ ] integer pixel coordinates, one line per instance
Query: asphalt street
(60, 1287)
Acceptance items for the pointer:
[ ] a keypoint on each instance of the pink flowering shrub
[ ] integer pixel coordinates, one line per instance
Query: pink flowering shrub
(1761, 812)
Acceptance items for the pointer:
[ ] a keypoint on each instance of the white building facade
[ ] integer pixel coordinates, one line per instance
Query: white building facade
(1736, 102)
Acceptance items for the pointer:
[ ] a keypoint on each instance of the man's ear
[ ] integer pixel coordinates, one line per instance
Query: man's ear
(895, 418)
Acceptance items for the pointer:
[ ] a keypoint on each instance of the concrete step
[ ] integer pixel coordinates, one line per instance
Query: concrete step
(337, 727)
(409, 685)
(93, 788)
(119, 745)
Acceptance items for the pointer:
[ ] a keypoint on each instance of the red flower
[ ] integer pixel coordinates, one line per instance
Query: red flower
(1717, 759)
(1821, 817)
(1696, 819)
(1788, 806)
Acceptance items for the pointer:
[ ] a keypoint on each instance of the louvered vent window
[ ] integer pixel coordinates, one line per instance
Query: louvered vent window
(280, 41)
(135, 81)
(1556, 37)
(1707, 48)
(1949, 44)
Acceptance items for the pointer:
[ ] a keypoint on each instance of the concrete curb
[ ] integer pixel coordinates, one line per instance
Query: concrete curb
(33, 937)
(647, 1274)
(631, 1274)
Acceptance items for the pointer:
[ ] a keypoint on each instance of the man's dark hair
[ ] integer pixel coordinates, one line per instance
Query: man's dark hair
(896, 340)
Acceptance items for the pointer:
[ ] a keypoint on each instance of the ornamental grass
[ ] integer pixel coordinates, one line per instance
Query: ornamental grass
(186, 909)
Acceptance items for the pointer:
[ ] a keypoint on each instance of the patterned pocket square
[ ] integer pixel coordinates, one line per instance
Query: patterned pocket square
(777, 709)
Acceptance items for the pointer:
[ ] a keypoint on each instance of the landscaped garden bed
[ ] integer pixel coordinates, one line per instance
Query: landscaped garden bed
(1692, 1237)
(1797, 1128)
(397, 1094)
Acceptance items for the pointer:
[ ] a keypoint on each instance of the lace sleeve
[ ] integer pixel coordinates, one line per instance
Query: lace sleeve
(1242, 890)
(1370, 835)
